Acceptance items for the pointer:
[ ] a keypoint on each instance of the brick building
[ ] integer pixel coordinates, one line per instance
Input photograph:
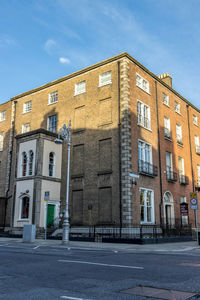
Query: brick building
(124, 120)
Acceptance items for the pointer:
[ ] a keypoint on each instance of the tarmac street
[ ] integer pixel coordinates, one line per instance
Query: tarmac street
(48, 270)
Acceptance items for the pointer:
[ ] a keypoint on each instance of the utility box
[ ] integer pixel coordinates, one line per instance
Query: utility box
(29, 233)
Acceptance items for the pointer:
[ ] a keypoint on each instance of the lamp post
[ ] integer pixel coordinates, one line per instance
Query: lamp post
(65, 134)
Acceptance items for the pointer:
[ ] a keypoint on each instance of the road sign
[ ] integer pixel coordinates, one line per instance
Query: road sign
(184, 209)
(193, 201)
(134, 175)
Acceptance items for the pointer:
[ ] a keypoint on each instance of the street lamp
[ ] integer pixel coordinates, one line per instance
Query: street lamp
(64, 133)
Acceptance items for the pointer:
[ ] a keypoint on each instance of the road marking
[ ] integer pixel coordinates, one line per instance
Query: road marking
(99, 264)
(36, 247)
(72, 298)
(4, 245)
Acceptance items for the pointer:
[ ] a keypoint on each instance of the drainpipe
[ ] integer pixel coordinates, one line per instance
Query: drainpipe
(10, 155)
(159, 155)
(190, 147)
(119, 149)
(193, 187)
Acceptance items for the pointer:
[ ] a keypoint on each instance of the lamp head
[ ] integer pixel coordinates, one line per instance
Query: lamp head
(58, 141)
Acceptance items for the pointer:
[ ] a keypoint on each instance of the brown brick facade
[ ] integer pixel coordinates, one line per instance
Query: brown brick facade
(105, 141)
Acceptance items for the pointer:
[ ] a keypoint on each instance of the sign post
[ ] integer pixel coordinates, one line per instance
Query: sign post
(194, 206)
(46, 199)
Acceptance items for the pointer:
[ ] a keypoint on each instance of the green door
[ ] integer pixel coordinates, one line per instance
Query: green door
(50, 215)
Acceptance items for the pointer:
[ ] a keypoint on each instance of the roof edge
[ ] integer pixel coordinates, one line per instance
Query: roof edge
(79, 72)
(104, 62)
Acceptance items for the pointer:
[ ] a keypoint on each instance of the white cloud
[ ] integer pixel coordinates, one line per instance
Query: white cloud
(6, 41)
(64, 60)
(50, 45)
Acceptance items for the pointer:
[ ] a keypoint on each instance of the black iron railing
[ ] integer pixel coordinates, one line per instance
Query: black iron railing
(171, 176)
(147, 169)
(103, 232)
(183, 180)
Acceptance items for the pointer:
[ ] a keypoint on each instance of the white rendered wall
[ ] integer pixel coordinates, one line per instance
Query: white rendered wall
(23, 187)
(26, 147)
(50, 146)
(54, 190)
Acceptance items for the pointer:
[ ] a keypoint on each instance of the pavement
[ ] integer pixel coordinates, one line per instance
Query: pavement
(92, 270)
(190, 246)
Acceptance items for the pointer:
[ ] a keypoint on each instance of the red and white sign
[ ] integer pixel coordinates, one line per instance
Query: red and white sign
(193, 201)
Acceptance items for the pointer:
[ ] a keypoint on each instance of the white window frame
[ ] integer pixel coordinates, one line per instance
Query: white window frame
(182, 170)
(177, 107)
(2, 116)
(143, 150)
(141, 121)
(170, 160)
(25, 126)
(1, 140)
(30, 163)
(167, 126)
(196, 142)
(179, 136)
(27, 107)
(198, 175)
(20, 209)
(105, 78)
(195, 120)
(53, 165)
(48, 123)
(145, 206)
(142, 83)
(22, 164)
(165, 99)
(80, 87)
(53, 98)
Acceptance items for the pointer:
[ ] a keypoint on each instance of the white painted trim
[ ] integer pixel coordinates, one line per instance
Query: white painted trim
(153, 206)
(151, 156)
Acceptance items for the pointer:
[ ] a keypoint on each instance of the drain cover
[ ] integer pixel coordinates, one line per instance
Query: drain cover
(159, 293)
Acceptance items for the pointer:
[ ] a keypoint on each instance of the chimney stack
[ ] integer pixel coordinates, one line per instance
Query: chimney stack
(166, 77)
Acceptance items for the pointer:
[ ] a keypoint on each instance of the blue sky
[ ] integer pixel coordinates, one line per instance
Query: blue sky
(43, 40)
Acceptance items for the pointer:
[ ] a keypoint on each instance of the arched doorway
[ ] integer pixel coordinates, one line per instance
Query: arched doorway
(169, 219)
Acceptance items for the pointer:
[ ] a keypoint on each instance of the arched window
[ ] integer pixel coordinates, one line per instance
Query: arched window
(30, 163)
(24, 163)
(51, 163)
(24, 208)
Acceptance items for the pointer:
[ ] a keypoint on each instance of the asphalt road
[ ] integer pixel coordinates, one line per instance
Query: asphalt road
(52, 272)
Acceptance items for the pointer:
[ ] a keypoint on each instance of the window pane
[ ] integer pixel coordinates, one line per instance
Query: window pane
(148, 200)
(1, 141)
(53, 123)
(51, 163)
(142, 213)
(30, 172)
(25, 208)
(149, 214)
(53, 97)
(24, 163)
(141, 197)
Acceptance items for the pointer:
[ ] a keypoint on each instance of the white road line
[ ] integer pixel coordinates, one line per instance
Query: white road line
(72, 298)
(4, 245)
(99, 264)
(36, 247)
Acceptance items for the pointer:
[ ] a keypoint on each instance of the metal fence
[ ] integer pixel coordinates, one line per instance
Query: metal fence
(99, 231)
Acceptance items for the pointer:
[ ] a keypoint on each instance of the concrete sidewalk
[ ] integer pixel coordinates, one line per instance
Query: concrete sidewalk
(165, 247)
